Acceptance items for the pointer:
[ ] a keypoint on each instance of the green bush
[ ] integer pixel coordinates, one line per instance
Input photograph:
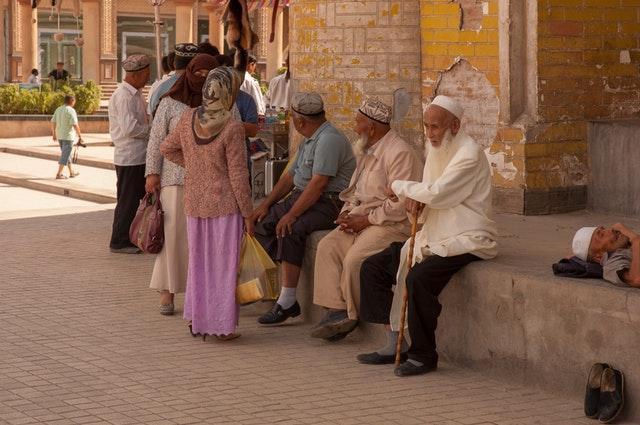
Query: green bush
(14, 100)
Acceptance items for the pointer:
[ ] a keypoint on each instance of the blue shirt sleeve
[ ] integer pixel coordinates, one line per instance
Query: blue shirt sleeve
(247, 107)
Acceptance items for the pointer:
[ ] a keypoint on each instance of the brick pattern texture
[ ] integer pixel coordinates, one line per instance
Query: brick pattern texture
(348, 50)
(83, 343)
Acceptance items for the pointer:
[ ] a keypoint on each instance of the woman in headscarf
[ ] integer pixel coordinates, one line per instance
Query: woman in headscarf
(169, 275)
(209, 144)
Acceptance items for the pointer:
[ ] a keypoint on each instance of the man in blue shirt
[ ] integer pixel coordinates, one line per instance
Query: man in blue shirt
(322, 169)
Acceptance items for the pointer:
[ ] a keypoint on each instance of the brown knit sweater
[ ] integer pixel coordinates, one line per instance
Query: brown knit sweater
(217, 179)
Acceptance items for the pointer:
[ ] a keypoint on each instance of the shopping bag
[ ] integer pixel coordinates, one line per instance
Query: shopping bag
(254, 271)
(147, 228)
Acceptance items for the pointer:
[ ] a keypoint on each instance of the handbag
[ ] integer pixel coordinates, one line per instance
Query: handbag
(254, 272)
(147, 228)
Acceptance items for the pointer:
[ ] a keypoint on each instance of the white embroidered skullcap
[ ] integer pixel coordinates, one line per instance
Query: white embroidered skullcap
(307, 103)
(376, 110)
(582, 241)
(450, 104)
(135, 63)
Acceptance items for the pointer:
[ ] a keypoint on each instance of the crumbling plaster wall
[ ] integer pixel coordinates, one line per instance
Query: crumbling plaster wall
(347, 50)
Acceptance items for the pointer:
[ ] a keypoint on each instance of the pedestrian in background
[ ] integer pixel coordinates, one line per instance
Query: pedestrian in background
(129, 130)
(65, 128)
(208, 142)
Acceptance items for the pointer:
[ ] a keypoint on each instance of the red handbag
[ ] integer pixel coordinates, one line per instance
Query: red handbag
(147, 228)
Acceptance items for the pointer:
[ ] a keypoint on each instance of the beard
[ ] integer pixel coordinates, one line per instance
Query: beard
(361, 144)
(438, 157)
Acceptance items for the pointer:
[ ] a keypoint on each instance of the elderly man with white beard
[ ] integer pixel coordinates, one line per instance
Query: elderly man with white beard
(453, 200)
(368, 222)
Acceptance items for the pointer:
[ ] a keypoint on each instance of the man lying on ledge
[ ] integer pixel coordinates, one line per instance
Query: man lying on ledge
(616, 248)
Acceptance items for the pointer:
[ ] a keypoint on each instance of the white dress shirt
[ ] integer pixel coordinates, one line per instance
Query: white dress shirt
(251, 86)
(278, 93)
(457, 213)
(128, 125)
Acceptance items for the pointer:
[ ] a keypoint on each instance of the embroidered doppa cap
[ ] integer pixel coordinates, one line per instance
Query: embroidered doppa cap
(186, 50)
(450, 104)
(376, 110)
(135, 63)
(582, 241)
(307, 103)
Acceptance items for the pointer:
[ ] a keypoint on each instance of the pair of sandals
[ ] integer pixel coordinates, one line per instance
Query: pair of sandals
(227, 337)
(62, 176)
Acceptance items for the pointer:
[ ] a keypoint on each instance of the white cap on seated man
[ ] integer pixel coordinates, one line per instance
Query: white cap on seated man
(617, 248)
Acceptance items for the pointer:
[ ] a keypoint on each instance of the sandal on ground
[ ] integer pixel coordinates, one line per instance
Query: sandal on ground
(60, 177)
(228, 337)
(166, 309)
(77, 173)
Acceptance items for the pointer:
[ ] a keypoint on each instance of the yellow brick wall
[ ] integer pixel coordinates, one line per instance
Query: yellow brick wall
(347, 50)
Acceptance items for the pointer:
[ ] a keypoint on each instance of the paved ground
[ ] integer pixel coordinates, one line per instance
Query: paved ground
(82, 342)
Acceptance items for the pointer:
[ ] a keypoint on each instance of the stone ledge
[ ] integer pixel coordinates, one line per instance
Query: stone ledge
(511, 318)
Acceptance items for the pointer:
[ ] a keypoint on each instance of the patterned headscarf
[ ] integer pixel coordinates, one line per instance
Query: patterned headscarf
(218, 97)
(188, 88)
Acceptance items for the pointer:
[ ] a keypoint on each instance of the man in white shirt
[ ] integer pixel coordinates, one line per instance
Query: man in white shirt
(454, 202)
(129, 130)
(251, 85)
(278, 93)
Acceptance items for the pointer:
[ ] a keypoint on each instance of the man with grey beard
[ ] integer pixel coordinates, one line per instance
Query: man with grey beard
(453, 201)
(368, 222)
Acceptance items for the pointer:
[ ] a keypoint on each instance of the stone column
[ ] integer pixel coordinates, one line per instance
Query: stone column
(274, 50)
(31, 58)
(184, 21)
(216, 27)
(3, 56)
(91, 37)
(108, 34)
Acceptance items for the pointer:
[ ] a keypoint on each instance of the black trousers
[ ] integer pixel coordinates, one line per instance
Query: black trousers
(319, 216)
(425, 281)
(130, 189)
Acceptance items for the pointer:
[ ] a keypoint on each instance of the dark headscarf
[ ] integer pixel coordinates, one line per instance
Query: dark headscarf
(188, 88)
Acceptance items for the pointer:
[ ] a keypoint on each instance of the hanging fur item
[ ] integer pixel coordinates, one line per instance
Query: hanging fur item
(274, 16)
(239, 33)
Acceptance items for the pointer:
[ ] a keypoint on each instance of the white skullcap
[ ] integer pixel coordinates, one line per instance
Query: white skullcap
(582, 241)
(450, 104)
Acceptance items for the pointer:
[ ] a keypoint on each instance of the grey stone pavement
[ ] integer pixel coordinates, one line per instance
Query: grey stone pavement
(82, 342)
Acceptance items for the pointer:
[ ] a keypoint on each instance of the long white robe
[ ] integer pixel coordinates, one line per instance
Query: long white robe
(457, 212)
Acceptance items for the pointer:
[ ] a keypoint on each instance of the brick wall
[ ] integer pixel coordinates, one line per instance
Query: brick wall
(346, 50)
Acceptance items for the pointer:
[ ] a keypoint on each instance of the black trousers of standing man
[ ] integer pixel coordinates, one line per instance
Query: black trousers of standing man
(130, 189)
(425, 281)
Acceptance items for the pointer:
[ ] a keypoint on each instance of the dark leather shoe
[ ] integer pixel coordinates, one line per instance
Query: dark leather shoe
(335, 322)
(375, 358)
(277, 314)
(611, 395)
(409, 369)
(592, 394)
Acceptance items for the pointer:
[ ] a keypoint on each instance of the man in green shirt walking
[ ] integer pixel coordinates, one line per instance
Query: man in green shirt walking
(64, 126)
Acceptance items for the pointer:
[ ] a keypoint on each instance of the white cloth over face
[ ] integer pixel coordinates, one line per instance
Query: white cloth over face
(457, 212)
(128, 125)
(252, 87)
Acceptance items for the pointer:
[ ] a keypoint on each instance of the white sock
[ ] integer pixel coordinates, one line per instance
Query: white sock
(287, 297)
(390, 348)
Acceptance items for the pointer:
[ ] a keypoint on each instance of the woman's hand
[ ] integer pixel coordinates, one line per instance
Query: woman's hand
(152, 183)
(249, 226)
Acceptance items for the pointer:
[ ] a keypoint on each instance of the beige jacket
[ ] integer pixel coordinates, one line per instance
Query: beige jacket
(457, 215)
(391, 158)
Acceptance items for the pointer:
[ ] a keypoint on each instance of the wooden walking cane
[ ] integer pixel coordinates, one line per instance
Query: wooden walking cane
(405, 301)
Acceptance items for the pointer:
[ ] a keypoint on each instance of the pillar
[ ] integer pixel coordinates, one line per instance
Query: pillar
(108, 34)
(216, 27)
(274, 50)
(91, 37)
(184, 21)
(17, 41)
(3, 54)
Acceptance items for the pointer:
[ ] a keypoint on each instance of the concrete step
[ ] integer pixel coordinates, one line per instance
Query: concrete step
(93, 184)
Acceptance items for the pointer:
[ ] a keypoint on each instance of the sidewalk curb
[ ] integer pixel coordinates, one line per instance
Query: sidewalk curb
(23, 180)
(95, 163)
